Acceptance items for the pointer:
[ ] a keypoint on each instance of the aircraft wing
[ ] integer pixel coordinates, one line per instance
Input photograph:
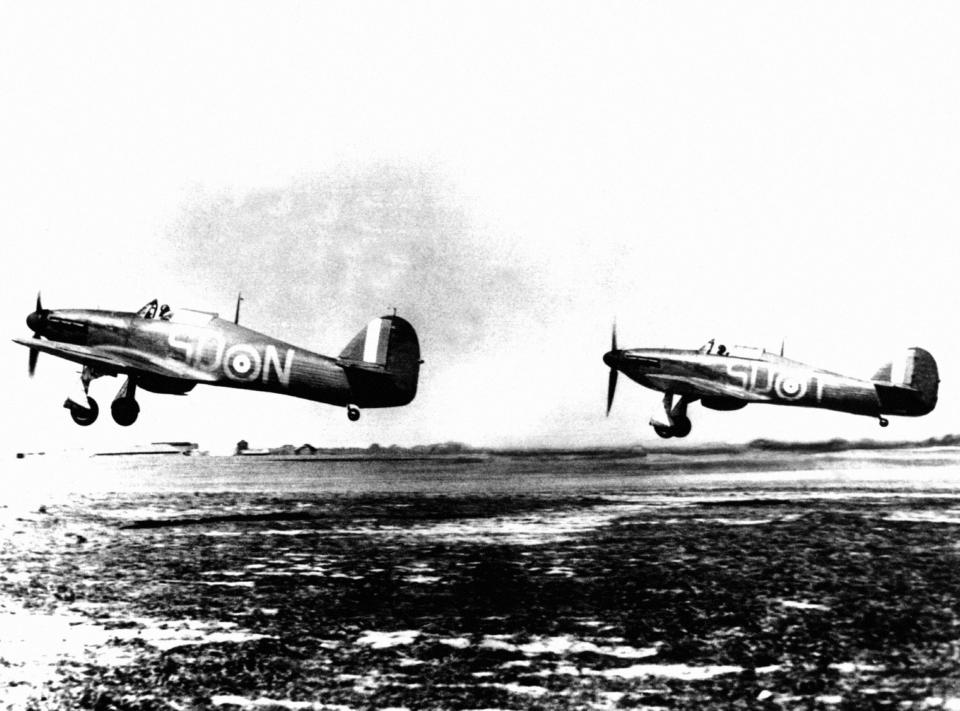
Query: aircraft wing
(701, 387)
(117, 359)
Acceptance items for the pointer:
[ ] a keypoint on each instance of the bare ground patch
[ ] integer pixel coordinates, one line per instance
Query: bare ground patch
(357, 602)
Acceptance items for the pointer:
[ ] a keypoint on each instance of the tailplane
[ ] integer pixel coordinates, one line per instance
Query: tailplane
(908, 385)
(382, 363)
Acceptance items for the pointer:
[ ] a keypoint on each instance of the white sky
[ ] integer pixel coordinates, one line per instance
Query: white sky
(749, 171)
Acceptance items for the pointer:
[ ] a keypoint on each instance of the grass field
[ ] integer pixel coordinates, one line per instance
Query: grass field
(825, 595)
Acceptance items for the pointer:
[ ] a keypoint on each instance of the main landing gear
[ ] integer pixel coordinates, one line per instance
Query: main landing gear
(84, 415)
(353, 414)
(677, 423)
(124, 409)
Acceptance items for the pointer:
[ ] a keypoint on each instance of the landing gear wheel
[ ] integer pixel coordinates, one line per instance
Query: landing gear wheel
(682, 427)
(353, 414)
(665, 432)
(884, 422)
(83, 416)
(125, 411)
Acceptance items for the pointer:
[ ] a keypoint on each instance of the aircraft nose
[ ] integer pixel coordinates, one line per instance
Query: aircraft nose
(33, 321)
(610, 358)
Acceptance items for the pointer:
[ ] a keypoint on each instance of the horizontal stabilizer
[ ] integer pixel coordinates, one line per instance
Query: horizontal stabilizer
(360, 365)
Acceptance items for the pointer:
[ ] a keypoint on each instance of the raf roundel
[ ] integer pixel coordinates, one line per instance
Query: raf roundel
(242, 363)
(790, 388)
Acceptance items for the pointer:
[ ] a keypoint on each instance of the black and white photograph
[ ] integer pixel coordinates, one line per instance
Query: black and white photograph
(534, 356)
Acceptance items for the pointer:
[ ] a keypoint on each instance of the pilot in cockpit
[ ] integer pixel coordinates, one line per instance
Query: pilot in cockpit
(149, 310)
(165, 312)
(707, 348)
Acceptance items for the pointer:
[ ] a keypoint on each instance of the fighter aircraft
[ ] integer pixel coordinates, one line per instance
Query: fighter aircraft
(170, 352)
(729, 379)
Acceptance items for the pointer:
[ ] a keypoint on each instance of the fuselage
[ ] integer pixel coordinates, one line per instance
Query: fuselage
(730, 381)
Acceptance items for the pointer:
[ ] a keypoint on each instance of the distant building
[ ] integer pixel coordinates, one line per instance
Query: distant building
(305, 449)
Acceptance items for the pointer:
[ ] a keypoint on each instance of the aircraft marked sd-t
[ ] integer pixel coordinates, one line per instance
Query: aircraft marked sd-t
(171, 352)
(729, 380)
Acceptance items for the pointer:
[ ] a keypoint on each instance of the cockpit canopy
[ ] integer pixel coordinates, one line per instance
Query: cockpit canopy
(711, 347)
(151, 309)
(148, 310)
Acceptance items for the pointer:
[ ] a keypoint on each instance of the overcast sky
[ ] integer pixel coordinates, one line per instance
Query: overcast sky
(509, 176)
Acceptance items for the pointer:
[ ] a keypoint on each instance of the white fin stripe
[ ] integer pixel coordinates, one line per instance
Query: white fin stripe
(384, 341)
(898, 370)
(371, 343)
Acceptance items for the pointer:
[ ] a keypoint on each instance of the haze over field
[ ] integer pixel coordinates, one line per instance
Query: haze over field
(510, 178)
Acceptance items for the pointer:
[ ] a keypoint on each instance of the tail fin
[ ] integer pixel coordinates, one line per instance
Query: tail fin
(909, 385)
(382, 363)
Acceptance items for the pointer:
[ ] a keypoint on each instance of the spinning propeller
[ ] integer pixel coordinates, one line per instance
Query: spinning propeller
(35, 322)
(612, 383)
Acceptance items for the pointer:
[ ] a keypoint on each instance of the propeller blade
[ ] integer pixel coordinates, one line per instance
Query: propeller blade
(612, 383)
(611, 388)
(35, 322)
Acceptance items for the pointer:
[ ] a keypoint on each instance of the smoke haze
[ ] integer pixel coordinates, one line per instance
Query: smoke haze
(331, 252)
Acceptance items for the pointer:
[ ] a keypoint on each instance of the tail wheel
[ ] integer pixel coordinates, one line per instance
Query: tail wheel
(83, 416)
(884, 422)
(125, 411)
(353, 414)
(664, 432)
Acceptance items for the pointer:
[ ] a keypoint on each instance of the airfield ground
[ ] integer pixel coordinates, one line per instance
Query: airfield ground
(827, 582)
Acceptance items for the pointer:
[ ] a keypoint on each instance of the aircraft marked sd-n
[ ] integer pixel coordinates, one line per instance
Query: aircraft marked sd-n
(729, 380)
(171, 352)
